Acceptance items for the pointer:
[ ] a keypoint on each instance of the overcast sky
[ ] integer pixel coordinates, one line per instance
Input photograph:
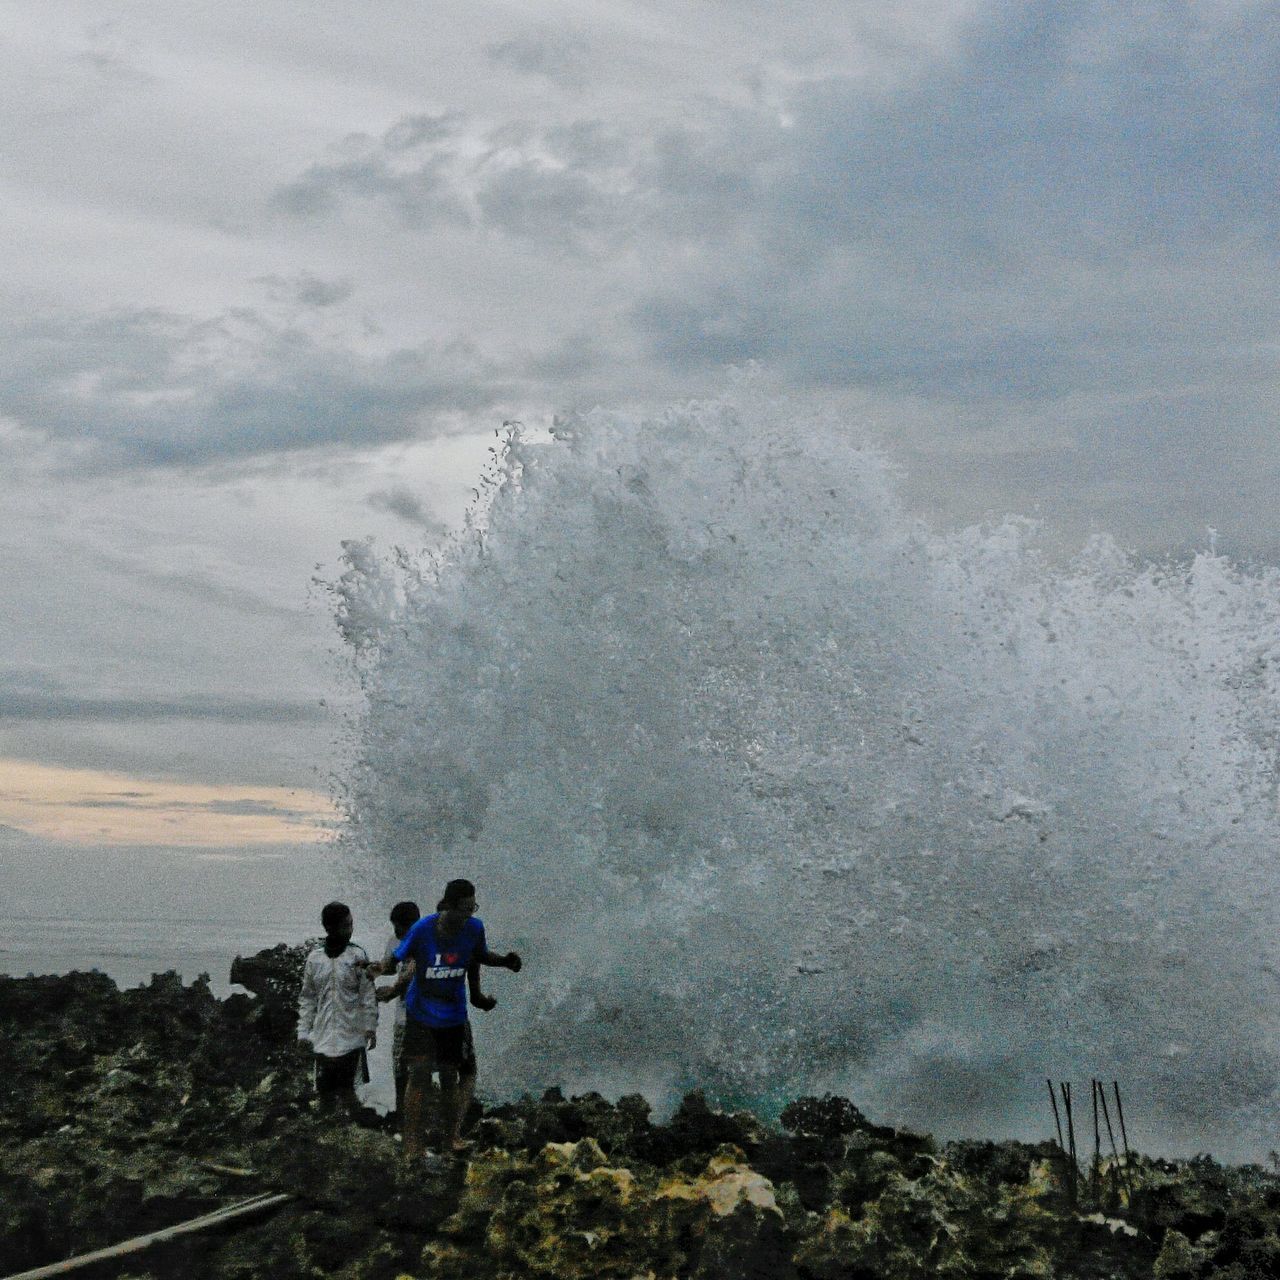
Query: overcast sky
(271, 274)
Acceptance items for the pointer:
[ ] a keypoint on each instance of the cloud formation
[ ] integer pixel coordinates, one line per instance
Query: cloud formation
(1062, 203)
(52, 705)
(152, 388)
(560, 56)
(408, 506)
(1031, 248)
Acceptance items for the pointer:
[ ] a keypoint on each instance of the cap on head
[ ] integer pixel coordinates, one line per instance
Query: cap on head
(333, 914)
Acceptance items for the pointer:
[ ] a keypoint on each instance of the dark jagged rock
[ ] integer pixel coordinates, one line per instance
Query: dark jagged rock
(125, 1111)
(827, 1117)
(274, 976)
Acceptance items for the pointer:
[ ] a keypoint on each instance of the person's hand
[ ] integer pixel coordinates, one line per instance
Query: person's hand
(484, 1002)
(514, 963)
(386, 993)
(372, 1038)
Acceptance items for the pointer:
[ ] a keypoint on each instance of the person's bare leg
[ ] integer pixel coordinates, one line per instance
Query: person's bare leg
(449, 1094)
(415, 1118)
(462, 1102)
(431, 1110)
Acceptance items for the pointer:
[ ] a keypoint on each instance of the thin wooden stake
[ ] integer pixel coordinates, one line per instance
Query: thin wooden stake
(1069, 1175)
(1095, 1170)
(1124, 1137)
(1065, 1087)
(1057, 1123)
(1121, 1173)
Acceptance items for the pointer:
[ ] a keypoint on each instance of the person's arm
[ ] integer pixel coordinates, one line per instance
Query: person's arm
(402, 953)
(307, 1001)
(478, 997)
(387, 959)
(400, 985)
(506, 960)
(369, 1007)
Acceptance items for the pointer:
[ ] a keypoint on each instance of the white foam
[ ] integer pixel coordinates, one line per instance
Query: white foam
(780, 790)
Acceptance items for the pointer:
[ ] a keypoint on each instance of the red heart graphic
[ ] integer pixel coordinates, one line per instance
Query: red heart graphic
(451, 957)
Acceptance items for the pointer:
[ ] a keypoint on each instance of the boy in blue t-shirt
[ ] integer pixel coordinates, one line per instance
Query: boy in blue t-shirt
(443, 947)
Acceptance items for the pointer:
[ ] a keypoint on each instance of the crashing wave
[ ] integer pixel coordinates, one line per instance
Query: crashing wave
(782, 791)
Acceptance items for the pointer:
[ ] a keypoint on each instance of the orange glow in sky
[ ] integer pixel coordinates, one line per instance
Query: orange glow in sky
(87, 806)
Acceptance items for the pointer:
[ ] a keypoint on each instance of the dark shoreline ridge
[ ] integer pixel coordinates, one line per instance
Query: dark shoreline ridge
(123, 1112)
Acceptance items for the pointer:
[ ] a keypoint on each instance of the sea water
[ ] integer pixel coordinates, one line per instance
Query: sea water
(132, 912)
(780, 790)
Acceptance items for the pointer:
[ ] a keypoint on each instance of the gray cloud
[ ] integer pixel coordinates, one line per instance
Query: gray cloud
(112, 57)
(586, 186)
(543, 51)
(143, 802)
(413, 131)
(151, 388)
(557, 207)
(253, 809)
(411, 169)
(35, 695)
(405, 504)
(1016, 225)
(1065, 224)
(17, 705)
(310, 291)
(199, 584)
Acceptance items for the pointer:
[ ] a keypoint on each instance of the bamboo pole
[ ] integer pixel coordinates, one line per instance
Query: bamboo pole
(228, 1213)
(1053, 1102)
(1096, 1176)
(230, 1169)
(1122, 1174)
(1124, 1136)
(1065, 1087)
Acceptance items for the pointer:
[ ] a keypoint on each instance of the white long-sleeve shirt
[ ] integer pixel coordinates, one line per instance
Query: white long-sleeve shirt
(337, 1006)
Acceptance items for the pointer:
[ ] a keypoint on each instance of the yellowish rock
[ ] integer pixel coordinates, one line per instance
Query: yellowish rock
(727, 1182)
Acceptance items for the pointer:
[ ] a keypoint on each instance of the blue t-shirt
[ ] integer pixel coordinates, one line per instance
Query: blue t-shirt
(438, 993)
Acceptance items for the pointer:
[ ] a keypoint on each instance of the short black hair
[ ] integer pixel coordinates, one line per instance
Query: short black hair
(333, 914)
(455, 891)
(405, 913)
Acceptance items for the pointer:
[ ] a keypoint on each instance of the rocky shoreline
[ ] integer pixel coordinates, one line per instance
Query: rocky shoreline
(124, 1112)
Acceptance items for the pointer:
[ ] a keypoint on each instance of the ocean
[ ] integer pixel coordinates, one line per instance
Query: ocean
(134, 912)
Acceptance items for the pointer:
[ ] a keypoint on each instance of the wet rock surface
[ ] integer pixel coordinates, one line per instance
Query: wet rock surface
(123, 1112)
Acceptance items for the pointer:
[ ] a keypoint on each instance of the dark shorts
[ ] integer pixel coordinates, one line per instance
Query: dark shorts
(435, 1047)
(333, 1075)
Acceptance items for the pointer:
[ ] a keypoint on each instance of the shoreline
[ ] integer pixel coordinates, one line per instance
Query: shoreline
(124, 1111)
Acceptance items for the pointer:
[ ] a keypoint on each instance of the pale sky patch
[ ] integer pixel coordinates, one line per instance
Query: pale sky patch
(91, 806)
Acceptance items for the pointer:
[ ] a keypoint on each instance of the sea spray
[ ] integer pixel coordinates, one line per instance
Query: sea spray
(781, 791)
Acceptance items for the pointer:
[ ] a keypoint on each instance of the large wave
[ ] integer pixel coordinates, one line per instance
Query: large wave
(781, 791)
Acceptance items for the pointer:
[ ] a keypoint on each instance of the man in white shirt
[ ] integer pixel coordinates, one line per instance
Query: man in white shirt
(337, 1009)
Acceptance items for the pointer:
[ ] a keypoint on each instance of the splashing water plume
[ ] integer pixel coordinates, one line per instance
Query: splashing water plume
(780, 791)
